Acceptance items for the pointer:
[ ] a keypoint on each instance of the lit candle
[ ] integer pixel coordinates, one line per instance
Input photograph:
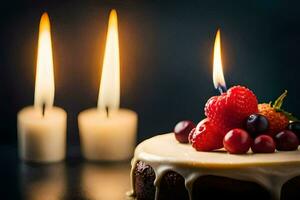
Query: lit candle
(42, 127)
(107, 132)
(218, 77)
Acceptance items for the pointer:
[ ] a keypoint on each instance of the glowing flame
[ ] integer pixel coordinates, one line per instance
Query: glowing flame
(218, 76)
(109, 93)
(44, 84)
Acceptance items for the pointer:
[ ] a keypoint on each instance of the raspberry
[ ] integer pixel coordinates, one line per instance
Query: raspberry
(206, 137)
(191, 135)
(278, 118)
(231, 109)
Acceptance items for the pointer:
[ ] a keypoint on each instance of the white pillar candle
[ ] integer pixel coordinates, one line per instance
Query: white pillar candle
(107, 138)
(107, 132)
(42, 127)
(42, 138)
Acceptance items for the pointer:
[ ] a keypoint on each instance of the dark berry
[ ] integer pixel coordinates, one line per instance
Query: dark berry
(295, 127)
(263, 144)
(286, 141)
(256, 124)
(237, 141)
(182, 130)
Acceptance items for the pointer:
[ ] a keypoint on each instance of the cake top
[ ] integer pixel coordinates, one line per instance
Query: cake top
(236, 122)
(165, 148)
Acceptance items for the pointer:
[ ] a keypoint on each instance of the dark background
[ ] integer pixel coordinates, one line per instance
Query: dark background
(166, 66)
(166, 56)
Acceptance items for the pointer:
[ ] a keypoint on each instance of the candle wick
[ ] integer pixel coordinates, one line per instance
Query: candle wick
(43, 109)
(222, 89)
(107, 111)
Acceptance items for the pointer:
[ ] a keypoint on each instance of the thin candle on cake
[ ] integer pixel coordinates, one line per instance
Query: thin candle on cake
(108, 132)
(42, 127)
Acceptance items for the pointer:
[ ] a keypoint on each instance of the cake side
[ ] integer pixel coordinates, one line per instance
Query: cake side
(164, 154)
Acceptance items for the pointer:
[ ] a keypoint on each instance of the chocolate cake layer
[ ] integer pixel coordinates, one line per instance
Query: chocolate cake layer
(212, 187)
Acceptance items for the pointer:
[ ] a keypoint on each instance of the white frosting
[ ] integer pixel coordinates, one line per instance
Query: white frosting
(164, 153)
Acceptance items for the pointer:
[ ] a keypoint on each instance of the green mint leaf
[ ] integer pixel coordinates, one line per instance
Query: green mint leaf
(279, 101)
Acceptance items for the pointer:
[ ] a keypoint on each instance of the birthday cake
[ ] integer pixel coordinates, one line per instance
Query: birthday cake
(241, 150)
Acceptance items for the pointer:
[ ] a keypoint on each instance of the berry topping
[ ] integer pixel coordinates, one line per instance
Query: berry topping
(182, 131)
(295, 127)
(263, 144)
(278, 118)
(237, 141)
(206, 137)
(231, 109)
(191, 135)
(256, 124)
(286, 141)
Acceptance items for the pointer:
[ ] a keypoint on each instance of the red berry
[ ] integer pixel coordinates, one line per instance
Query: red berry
(237, 141)
(286, 141)
(182, 131)
(191, 135)
(231, 109)
(263, 144)
(206, 137)
(278, 121)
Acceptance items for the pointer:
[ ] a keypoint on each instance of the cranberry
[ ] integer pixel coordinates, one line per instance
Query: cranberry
(182, 130)
(263, 144)
(256, 124)
(286, 141)
(237, 141)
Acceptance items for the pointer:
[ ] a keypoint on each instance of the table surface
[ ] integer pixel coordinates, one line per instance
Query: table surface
(74, 178)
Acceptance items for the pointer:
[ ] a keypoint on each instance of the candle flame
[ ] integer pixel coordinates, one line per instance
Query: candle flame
(218, 76)
(44, 84)
(109, 92)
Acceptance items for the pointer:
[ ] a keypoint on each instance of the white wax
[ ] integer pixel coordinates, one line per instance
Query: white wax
(109, 138)
(42, 138)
